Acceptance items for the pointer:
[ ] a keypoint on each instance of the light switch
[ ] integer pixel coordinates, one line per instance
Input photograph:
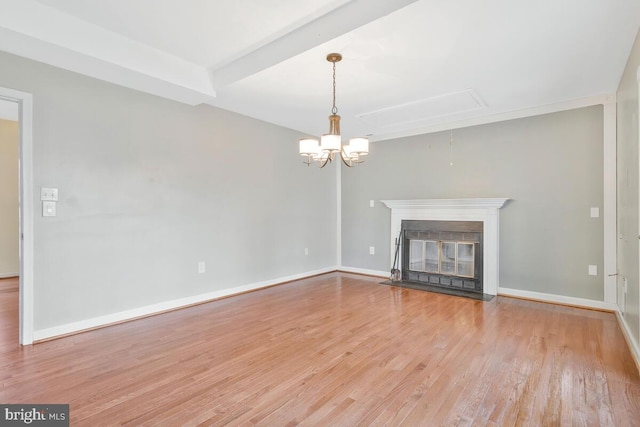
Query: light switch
(593, 270)
(370, 203)
(49, 194)
(48, 208)
(595, 212)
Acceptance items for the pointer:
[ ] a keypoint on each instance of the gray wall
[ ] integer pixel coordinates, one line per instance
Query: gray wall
(149, 187)
(9, 259)
(627, 130)
(550, 165)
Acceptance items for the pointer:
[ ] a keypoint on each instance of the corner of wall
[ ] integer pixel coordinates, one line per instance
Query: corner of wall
(634, 346)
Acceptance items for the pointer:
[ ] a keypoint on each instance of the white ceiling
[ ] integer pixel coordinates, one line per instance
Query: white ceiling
(409, 66)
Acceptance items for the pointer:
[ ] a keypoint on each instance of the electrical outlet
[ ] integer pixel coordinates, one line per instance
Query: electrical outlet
(372, 250)
(202, 267)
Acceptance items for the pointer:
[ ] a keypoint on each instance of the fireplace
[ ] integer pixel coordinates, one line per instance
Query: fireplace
(484, 211)
(443, 253)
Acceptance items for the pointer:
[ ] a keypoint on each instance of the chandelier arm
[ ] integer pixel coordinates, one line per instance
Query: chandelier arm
(348, 163)
(326, 161)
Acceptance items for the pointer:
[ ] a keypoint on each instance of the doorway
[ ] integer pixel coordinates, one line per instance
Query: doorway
(9, 222)
(22, 103)
(9, 225)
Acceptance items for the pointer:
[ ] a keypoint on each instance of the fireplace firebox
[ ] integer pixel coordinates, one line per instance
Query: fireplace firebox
(443, 253)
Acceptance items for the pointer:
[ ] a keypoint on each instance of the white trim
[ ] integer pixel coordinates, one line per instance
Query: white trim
(486, 210)
(25, 106)
(558, 299)
(7, 275)
(365, 271)
(150, 310)
(634, 348)
(498, 116)
(496, 203)
(339, 214)
(609, 147)
(634, 339)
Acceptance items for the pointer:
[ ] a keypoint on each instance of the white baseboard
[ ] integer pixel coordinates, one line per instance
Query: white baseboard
(558, 299)
(365, 271)
(634, 347)
(7, 275)
(149, 310)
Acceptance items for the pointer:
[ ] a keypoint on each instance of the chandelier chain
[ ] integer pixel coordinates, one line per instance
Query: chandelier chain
(334, 110)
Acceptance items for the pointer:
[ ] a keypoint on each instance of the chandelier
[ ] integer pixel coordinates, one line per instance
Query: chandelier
(331, 143)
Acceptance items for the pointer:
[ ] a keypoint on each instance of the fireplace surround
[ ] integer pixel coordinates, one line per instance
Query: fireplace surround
(483, 210)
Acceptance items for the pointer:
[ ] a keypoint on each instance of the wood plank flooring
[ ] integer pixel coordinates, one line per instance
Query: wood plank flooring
(334, 350)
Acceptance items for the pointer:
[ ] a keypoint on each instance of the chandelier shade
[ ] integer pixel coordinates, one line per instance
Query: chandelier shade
(359, 146)
(330, 143)
(309, 146)
(325, 150)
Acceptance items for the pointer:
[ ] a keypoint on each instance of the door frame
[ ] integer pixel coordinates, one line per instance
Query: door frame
(637, 343)
(25, 191)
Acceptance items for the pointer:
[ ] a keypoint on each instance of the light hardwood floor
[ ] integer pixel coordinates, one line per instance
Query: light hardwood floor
(334, 350)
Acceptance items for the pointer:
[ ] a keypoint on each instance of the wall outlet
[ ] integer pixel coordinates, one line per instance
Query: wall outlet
(595, 212)
(306, 251)
(202, 267)
(593, 270)
(372, 250)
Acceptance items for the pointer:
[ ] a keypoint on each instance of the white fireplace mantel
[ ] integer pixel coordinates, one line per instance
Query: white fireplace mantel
(485, 210)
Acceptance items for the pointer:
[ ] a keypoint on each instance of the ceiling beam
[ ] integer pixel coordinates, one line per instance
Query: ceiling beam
(44, 34)
(338, 21)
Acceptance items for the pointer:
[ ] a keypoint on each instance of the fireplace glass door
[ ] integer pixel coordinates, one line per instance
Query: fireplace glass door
(442, 257)
(465, 258)
(448, 258)
(416, 259)
(431, 256)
